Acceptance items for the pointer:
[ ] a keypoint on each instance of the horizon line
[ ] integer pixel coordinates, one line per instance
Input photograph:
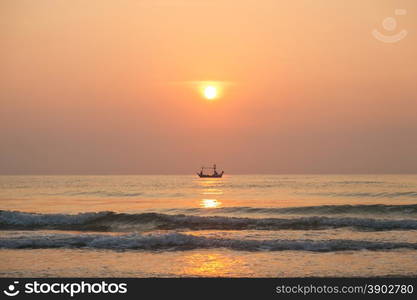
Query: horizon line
(182, 174)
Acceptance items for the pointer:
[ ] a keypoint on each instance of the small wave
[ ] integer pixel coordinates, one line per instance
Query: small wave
(358, 182)
(110, 221)
(178, 241)
(379, 209)
(411, 194)
(98, 193)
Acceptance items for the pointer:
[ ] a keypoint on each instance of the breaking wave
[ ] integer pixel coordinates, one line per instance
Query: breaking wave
(178, 241)
(379, 209)
(111, 221)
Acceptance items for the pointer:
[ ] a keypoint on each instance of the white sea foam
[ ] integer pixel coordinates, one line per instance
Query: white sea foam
(177, 241)
(15, 218)
(110, 221)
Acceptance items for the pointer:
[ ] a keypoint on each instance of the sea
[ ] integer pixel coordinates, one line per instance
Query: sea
(185, 226)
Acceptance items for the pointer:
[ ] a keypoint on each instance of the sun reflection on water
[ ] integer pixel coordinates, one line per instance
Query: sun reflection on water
(210, 203)
(210, 188)
(211, 264)
(212, 192)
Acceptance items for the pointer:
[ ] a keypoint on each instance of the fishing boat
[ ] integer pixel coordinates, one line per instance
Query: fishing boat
(215, 174)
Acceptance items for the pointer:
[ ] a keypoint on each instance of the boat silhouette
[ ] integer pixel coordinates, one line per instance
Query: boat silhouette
(215, 174)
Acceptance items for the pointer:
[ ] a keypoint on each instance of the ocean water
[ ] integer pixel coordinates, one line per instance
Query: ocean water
(184, 226)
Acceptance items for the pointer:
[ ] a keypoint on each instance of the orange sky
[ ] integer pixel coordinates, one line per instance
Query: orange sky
(106, 86)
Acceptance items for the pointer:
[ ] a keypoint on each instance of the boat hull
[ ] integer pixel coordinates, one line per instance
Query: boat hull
(210, 176)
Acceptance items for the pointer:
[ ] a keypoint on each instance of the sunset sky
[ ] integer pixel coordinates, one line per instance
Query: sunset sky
(117, 87)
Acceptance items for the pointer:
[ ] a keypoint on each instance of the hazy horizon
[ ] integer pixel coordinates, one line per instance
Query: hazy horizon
(112, 87)
(193, 173)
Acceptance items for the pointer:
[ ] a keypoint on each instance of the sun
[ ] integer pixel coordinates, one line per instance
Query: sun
(210, 92)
